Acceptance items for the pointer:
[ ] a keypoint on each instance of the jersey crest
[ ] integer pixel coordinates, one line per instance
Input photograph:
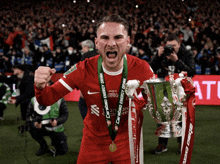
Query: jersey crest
(73, 68)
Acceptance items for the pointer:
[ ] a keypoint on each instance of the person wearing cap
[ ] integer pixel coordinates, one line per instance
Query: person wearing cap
(24, 88)
(48, 121)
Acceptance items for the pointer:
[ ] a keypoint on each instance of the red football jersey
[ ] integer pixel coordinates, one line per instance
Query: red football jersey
(84, 76)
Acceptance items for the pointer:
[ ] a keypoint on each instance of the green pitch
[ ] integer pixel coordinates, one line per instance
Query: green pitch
(17, 149)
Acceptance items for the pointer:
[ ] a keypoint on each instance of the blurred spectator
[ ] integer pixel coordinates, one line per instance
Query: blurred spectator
(132, 50)
(88, 51)
(24, 88)
(27, 59)
(188, 37)
(46, 56)
(142, 54)
(215, 62)
(150, 23)
(72, 57)
(59, 60)
(196, 57)
(5, 93)
(204, 58)
(2, 61)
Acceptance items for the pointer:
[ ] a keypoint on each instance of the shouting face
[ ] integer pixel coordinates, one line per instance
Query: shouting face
(111, 42)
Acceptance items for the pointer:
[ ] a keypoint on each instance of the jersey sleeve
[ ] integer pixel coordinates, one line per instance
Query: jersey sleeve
(70, 80)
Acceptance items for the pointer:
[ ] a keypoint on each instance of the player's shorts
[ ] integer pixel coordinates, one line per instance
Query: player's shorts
(95, 150)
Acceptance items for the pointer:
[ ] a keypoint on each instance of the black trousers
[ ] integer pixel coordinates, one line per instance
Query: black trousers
(2, 108)
(82, 107)
(59, 140)
(23, 107)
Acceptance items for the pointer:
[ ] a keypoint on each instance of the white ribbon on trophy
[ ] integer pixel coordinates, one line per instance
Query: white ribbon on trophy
(136, 153)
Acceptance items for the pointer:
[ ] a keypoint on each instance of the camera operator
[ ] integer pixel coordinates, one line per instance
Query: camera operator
(48, 121)
(174, 53)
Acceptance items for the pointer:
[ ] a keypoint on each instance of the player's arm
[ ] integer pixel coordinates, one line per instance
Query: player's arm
(47, 95)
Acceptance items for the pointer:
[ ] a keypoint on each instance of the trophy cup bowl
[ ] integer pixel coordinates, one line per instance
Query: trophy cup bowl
(161, 106)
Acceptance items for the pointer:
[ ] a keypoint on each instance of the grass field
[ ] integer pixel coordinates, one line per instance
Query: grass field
(17, 149)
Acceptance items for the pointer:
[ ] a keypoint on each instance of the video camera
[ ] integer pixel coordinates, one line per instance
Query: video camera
(29, 124)
(168, 49)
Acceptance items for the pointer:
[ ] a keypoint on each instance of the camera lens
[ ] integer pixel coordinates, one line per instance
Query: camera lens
(168, 49)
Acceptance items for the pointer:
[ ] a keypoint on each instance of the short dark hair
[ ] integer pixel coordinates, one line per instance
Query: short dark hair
(172, 36)
(113, 18)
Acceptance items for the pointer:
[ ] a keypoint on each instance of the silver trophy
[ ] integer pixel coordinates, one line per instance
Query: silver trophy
(164, 104)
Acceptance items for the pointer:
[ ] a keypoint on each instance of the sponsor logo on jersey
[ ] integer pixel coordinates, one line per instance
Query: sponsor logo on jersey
(73, 68)
(113, 111)
(92, 93)
(95, 109)
(113, 93)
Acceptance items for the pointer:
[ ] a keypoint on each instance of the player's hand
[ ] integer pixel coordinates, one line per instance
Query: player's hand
(53, 122)
(173, 57)
(43, 75)
(37, 125)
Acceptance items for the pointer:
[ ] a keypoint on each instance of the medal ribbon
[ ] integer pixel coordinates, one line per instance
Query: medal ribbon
(105, 98)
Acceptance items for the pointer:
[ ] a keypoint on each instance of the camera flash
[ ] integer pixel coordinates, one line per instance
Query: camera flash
(74, 1)
(189, 19)
(93, 21)
(136, 6)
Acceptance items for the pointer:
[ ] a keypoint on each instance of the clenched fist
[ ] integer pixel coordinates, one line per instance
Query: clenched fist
(42, 76)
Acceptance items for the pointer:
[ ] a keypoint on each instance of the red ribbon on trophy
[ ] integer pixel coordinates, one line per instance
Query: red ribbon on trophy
(187, 146)
(135, 129)
(189, 133)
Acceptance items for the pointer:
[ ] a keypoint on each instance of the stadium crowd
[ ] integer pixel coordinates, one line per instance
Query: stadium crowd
(24, 25)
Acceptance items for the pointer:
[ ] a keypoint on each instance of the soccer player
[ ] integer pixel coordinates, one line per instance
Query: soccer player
(101, 80)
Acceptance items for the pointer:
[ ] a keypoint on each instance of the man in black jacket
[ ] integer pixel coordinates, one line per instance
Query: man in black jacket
(173, 54)
(181, 58)
(24, 88)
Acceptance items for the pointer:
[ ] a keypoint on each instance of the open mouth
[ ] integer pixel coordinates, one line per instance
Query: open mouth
(111, 54)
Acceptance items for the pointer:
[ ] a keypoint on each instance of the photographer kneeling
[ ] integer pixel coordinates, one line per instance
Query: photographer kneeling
(48, 121)
(173, 54)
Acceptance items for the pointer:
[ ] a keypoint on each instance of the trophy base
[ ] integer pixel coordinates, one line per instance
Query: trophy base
(169, 130)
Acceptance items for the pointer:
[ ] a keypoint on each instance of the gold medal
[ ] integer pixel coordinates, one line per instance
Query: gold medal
(112, 147)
